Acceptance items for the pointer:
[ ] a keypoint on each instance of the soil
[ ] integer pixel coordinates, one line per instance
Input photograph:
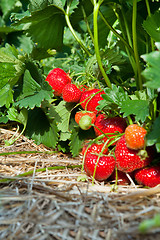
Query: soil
(51, 203)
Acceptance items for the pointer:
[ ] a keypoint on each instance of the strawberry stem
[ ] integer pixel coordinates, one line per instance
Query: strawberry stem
(73, 32)
(149, 14)
(96, 45)
(135, 47)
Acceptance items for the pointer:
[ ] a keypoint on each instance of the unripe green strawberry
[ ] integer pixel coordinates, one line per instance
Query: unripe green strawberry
(85, 123)
(94, 148)
(103, 124)
(92, 98)
(57, 79)
(135, 136)
(105, 166)
(128, 160)
(149, 176)
(71, 93)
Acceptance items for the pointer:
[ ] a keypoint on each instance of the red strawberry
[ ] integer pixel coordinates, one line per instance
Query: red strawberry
(149, 176)
(71, 93)
(109, 125)
(104, 169)
(57, 79)
(122, 177)
(91, 119)
(128, 160)
(94, 148)
(91, 100)
(134, 136)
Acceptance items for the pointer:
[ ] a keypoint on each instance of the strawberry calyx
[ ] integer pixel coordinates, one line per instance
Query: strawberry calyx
(143, 154)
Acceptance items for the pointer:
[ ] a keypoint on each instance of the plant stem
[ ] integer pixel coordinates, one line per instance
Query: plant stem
(38, 170)
(96, 45)
(129, 53)
(136, 55)
(116, 33)
(74, 33)
(87, 24)
(149, 14)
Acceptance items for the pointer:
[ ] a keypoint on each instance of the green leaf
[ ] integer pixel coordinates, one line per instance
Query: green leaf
(103, 30)
(6, 5)
(10, 6)
(77, 15)
(3, 117)
(73, 4)
(21, 117)
(6, 96)
(139, 108)
(11, 68)
(41, 129)
(152, 26)
(41, 4)
(151, 73)
(63, 110)
(147, 94)
(113, 98)
(76, 142)
(6, 29)
(153, 137)
(33, 93)
(45, 27)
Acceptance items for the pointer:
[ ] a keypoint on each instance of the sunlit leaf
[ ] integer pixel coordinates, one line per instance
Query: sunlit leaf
(139, 108)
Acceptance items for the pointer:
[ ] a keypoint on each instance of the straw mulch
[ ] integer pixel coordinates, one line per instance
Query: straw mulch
(54, 205)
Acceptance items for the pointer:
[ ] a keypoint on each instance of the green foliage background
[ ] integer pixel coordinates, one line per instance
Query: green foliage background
(113, 45)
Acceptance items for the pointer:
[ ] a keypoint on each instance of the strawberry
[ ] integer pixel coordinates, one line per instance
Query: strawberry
(149, 176)
(104, 169)
(91, 119)
(71, 93)
(122, 177)
(57, 79)
(128, 160)
(94, 148)
(91, 100)
(134, 137)
(109, 125)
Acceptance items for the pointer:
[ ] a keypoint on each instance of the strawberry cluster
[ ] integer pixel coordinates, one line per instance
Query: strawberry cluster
(118, 150)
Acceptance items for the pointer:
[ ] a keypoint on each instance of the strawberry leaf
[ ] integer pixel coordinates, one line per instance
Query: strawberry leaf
(73, 4)
(41, 129)
(33, 93)
(153, 137)
(76, 142)
(11, 68)
(151, 73)
(152, 26)
(45, 26)
(77, 138)
(139, 108)
(63, 110)
(16, 116)
(113, 98)
(41, 4)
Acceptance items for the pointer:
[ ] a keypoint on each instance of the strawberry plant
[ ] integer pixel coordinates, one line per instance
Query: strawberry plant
(61, 57)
